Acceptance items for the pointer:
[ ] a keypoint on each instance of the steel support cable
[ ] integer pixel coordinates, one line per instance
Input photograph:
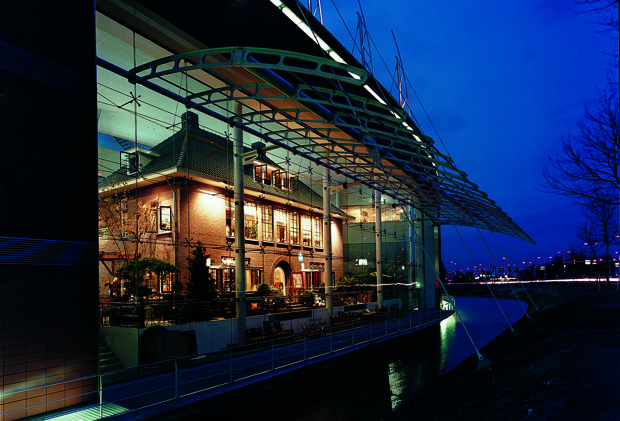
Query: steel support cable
(510, 286)
(481, 360)
(338, 83)
(406, 78)
(428, 117)
(486, 283)
(520, 283)
(475, 265)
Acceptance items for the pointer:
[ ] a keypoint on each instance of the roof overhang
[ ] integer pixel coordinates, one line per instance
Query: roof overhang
(330, 112)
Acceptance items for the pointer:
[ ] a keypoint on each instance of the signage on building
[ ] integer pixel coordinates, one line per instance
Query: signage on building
(300, 256)
(230, 261)
(317, 266)
(362, 262)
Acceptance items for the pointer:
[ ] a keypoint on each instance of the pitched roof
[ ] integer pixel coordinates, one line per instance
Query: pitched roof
(202, 152)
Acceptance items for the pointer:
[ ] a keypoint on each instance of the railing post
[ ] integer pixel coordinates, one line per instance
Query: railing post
(272, 356)
(305, 355)
(100, 395)
(176, 379)
(230, 365)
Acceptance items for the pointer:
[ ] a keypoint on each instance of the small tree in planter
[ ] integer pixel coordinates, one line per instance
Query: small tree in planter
(200, 284)
(134, 271)
(263, 289)
(132, 274)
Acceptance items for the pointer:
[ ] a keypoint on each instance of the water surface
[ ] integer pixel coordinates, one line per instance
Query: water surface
(369, 384)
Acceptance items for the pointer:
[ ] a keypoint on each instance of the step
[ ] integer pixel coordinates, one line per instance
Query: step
(106, 355)
(110, 367)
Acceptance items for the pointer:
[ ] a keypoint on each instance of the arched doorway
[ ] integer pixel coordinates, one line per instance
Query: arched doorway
(282, 277)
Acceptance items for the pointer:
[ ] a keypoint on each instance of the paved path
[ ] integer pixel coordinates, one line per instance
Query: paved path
(166, 386)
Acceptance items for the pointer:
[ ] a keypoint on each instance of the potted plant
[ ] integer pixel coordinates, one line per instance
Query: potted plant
(306, 298)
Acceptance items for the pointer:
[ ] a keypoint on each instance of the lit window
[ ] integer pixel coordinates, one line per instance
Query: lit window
(165, 218)
(262, 174)
(306, 229)
(230, 219)
(317, 230)
(251, 221)
(281, 225)
(294, 220)
(267, 222)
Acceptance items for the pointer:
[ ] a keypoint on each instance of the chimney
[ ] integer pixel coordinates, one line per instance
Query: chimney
(189, 121)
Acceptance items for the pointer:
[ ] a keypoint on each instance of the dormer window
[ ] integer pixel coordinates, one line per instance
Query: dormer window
(277, 178)
(262, 174)
(130, 162)
(133, 160)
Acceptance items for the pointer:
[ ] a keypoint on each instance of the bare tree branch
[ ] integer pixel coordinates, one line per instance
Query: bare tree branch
(587, 168)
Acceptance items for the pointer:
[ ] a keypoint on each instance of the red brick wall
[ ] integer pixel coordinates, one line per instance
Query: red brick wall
(201, 217)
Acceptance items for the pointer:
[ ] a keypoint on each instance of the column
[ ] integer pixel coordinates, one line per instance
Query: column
(327, 242)
(239, 227)
(378, 238)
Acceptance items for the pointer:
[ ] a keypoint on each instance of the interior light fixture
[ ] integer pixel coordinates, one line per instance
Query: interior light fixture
(311, 34)
(374, 94)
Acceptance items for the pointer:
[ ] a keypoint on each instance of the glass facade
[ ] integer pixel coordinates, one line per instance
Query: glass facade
(144, 135)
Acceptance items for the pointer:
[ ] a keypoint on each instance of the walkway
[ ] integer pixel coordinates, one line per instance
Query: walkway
(148, 390)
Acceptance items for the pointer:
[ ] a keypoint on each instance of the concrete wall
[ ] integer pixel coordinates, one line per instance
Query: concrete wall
(123, 342)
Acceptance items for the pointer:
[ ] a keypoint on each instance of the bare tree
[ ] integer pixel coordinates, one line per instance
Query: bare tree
(587, 169)
(125, 223)
(606, 10)
(600, 231)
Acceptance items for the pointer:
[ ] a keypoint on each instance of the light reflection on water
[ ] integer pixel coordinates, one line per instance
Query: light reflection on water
(448, 344)
(369, 384)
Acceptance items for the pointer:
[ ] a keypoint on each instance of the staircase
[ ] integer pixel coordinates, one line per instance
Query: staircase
(108, 361)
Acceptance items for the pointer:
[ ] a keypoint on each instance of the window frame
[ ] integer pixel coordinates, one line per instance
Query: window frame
(277, 226)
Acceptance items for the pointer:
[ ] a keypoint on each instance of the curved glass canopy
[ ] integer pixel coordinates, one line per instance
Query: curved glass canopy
(330, 113)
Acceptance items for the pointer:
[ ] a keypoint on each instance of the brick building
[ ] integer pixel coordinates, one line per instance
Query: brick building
(187, 178)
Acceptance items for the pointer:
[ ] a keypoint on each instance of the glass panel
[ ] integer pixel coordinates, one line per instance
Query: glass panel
(281, 225)
(230, 219)
(267, 223)
(293, 183)
(284, 180)
(276, 176)
(251, 221)
(260, 173)
(165, 218)
(294, 220)
(317, 230)
(306, 229)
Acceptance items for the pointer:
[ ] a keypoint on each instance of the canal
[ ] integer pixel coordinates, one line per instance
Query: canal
(369, 384)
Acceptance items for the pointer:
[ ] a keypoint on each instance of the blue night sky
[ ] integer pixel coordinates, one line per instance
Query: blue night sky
(502, 82)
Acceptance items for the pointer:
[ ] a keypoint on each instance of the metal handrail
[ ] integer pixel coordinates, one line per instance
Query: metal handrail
(168, 380)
